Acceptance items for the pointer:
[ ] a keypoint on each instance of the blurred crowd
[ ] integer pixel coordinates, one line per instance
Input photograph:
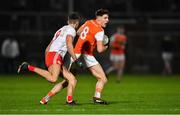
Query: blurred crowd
(146, 24)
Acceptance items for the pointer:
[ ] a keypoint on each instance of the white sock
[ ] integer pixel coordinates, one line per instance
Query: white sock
(47, 98)
(97, 94)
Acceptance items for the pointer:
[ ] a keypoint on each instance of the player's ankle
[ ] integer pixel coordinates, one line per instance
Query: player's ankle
(31, 68)
(69, 99)
(50, 94)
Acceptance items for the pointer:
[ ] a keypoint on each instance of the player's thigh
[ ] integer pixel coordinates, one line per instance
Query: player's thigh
(54, 69)
(94, 67)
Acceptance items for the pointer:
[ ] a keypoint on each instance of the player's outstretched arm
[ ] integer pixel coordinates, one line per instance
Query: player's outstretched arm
(70, 47)
(69, 43)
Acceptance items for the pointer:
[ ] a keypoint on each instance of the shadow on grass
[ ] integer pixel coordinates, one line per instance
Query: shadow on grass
(109, 103)
(91, 103)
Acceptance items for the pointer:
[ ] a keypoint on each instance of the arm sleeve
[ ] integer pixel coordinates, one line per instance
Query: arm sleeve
(99, 36)
(71, 32)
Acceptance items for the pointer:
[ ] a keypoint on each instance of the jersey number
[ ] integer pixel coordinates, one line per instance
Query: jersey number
(84, 32)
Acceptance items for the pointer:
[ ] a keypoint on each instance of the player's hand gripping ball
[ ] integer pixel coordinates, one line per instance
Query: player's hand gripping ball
(106, 40)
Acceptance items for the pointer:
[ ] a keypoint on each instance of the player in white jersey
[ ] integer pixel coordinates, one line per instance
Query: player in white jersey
(54, 54)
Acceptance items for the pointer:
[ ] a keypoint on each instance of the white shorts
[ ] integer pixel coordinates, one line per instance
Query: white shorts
(116, 58)
(167, 56)
(89, 60)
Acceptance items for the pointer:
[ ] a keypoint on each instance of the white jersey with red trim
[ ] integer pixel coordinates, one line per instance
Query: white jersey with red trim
(58, 43)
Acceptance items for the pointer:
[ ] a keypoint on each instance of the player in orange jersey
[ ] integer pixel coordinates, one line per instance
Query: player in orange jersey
(117, 53)
(91, 35)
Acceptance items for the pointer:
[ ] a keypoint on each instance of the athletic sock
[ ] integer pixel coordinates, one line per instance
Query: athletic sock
(48, 96)
(98, 93)
(31, 68)
(69, 99)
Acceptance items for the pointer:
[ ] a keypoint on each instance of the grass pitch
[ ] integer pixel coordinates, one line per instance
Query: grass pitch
(144, 94)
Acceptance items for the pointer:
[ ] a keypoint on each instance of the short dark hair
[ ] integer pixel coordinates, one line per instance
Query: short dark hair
(74, 16)
(101, 12)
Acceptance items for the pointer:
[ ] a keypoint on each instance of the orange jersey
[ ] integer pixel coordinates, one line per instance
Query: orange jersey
(118, 44)
(87, 40)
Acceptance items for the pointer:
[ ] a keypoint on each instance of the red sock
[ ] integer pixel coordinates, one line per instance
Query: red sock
(50, 94)
(69, 99)
(31, 68)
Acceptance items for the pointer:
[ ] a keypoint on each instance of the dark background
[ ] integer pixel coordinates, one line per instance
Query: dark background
(34, 22)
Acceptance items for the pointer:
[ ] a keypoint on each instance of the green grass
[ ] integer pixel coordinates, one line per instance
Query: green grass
(135, 94)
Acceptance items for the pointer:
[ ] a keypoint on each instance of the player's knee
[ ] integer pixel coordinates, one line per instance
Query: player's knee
(105, 80)
(73, 81)
(53, 79)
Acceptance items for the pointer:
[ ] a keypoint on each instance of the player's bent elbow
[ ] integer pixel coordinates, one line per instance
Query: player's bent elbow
(100, 50)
